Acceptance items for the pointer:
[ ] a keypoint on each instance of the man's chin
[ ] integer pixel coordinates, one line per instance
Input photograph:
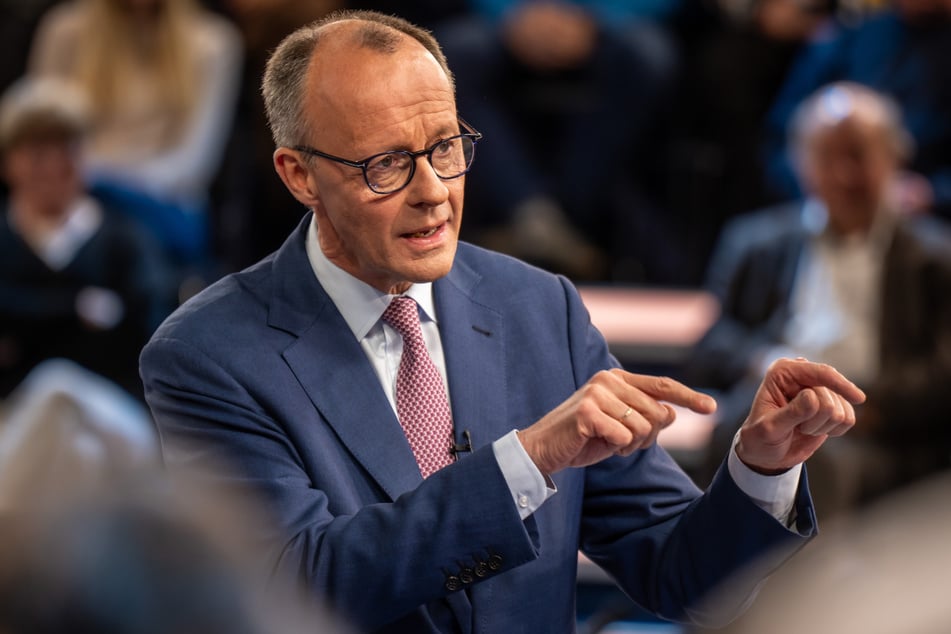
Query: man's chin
(434, 267)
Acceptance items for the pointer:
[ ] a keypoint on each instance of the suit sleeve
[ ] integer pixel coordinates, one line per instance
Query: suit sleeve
(666, 544)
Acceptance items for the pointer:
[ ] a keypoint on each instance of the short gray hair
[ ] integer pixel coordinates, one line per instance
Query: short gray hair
(838, 101)
(285, 76)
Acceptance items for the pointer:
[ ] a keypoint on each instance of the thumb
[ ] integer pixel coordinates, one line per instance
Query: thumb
(801, 408)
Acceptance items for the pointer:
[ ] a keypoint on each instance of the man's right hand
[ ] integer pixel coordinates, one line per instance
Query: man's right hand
(615, 413)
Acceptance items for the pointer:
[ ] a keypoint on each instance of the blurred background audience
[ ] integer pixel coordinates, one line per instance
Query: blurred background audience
(79, 278)
(901, 51)
(842, 277)
(18, 22)
(620, 136)
(162, 79)
(255, 213)
(567, 94)
(736, 54)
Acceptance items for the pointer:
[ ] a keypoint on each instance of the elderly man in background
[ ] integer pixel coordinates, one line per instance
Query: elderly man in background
(845, 278)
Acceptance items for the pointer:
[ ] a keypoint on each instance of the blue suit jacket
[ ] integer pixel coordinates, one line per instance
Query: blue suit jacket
(260, 370)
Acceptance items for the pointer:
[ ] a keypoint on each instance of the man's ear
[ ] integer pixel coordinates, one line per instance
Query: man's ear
(297, 178)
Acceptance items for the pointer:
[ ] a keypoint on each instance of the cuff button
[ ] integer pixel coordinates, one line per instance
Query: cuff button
(495, 562)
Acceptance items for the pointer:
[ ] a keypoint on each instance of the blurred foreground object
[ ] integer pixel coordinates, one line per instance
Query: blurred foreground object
(66, 430)
(97, 537)
(884, 571)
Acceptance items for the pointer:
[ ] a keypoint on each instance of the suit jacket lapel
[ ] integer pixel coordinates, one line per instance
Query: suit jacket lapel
(473, 340)
(327, 360)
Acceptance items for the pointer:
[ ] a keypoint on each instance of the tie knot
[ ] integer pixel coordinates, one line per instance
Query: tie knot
(403, 315)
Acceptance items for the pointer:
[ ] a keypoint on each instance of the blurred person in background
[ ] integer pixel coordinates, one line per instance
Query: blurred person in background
(569, 93)
(845, 278)
(901, 51)
(78, 278)
(162, 79)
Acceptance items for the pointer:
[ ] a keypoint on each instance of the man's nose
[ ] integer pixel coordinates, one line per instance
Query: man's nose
(847, 172)
(426, 186)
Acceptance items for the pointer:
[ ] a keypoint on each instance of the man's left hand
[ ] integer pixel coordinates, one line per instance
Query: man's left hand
(797, 407)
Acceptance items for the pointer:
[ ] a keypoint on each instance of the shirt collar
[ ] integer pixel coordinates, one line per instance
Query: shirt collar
(59, 247)
(360, 304)
(815, 218)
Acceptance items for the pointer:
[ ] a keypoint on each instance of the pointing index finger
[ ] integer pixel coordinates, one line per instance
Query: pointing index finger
(666, 389)
(794, 375)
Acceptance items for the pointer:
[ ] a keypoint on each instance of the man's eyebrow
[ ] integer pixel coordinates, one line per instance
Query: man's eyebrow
(441, 135)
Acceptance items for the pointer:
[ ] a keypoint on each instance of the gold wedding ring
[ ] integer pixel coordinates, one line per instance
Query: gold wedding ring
(627, 412)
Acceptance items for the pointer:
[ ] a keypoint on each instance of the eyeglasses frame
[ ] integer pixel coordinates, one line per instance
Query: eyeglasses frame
(473, 134)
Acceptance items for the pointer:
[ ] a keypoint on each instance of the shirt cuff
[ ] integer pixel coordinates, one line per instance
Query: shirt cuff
(526, 483)
(774, 494)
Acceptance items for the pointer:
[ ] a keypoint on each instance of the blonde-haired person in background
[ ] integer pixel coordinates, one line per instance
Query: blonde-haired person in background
(162, 77)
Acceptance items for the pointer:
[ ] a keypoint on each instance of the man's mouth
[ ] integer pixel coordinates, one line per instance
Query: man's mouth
(423, 234)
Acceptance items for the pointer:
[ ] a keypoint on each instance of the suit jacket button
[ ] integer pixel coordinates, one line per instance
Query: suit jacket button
(466, 575)
(495, 562)
(453, 583)
(481, 569)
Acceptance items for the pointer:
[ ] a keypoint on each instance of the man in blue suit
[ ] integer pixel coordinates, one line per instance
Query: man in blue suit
(286, 373)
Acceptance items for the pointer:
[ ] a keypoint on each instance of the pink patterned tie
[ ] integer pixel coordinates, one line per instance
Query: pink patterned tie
(421, 401)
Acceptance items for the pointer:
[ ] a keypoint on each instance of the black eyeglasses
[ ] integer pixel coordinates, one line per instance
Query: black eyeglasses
(389, 172)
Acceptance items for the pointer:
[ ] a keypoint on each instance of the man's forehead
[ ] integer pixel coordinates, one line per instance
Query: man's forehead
(860, 124)
(347, 56)
(355, 77)
(857, 116)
